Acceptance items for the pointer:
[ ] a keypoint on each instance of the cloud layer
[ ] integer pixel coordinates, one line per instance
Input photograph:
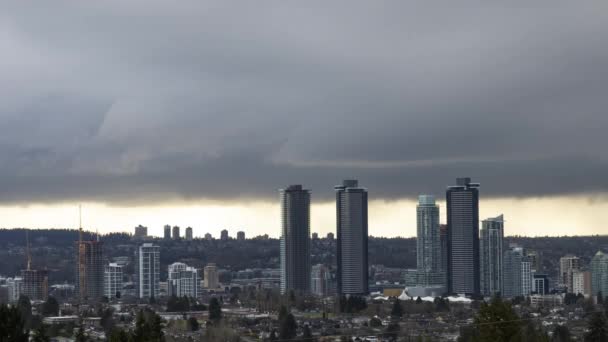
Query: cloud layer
(150, 101)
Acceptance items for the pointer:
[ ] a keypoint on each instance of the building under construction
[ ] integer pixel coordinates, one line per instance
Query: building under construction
(89, 270)
(35, 284)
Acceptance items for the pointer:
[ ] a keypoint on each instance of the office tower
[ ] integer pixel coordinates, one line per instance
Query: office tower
(147, 267)
(295, 239)
(512, 272)
(224, 235)
(240, 236)
(463, 237)
(599, 274)
(567, 265)
(210, 280)
(167, 232)
(189, 233)
(141, 232)
(351, 229)
(89, 269)
(540, 284)
(176, 235)
(113, 280)
(428, 243)
(183, 280)
(321, 280)
(491, 253)
(581, 282)
(35, 284)
(535, 260)
(330, 236)
(208, 237)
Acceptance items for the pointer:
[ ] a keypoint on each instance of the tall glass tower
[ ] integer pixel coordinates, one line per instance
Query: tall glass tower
(463, 237)
(491, 254)
(428, 243)
(295, 239)
(351, 228)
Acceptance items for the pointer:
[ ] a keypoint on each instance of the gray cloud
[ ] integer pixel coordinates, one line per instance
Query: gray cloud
(147, 101)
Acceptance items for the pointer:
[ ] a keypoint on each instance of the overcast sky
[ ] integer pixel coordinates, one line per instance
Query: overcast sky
(150, 103)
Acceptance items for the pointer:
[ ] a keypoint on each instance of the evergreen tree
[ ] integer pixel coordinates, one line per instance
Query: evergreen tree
(40, 335)
(193, 323)
(497, 322)
(397, 310)
(392, 331)
(119, 335)
(598, 329)
(80, 335)
(273, 336)
(50, 307)
(288, 328)
(282, 313)
(307, 334)
(215, 309)
(418, 300)
(12, 325)
(25, 309)
(561, 334)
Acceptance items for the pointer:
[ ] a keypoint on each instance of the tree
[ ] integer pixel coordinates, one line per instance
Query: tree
(282, 313)
(418, 300)
(50, 307)
(40, 335)
(561, 334)
(119, 335)
(598, 330)
(375, 322)
(107, 320)
(148, 327)
(288, 328)
(193, 323)
(25, 309)
(392, 331)
(397, 310)
(215, 309)
(273, 336)
(497, 322)
(80, 335)
(306, 334)
(12, 324)
(600, 298)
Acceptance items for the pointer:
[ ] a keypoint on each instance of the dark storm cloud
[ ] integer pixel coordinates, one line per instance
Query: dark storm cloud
(150, 101)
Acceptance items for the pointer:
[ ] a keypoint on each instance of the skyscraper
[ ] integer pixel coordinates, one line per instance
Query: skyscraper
(491, 254)
(443, 237)
(148, 270)
(517, 275)
(208, 237)
(183, 280)
(141, 232)
(35, 284)
(89, 270)
(189, 233)
(176, 235)
(210, 280)
(321, 280)
(599, 274)
(295, 239)
(167, 230)
(463, 237)
(428, 243)
(351, 244)
(224, 235)
(567, 265)
(112, 280)
(240, 236)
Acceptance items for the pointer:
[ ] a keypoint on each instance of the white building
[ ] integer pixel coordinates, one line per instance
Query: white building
(148, 270)
(112, 280)
(184, 281)
(567, 265)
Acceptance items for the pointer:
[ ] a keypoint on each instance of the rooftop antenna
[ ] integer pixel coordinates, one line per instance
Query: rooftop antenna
(29, 254)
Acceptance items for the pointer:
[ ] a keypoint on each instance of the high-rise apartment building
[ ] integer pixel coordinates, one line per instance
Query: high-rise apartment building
(113, 280)
(491, 254)
(15, 286)
(535, 260)
(89, 270)
(167, 230)
(567, 265)
(208, 237)
(463, 237)
(240, 236)
(295, 239)
(210, 275)
(330, 236)
(540, 283)
(189, 235)
(443, 238)
(35, 284)
(176, 235)
(224, 235)
(599, 274)
(428, 244)
(183, 280)
(517, 276)
(321, 280)
(581, 282)
(141, 232)
(351, 244)
(147, 266)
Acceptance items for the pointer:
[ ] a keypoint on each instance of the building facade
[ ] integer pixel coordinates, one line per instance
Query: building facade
(113, 280)
(352, 238)
(517, 276)
(599, 274)
(210, 280)
(189, 235)
(321, 280)
(89, 270)
(567, 266)
(148, 270)
(240, 236)
(176, 233)
(34, 284)
(581, 283)
(167, 232)
(183, 281)
(463, 237)
(491, 254)
(141, 232)
(224, 235)
(428, 244)
(295, 239)
(540, 283)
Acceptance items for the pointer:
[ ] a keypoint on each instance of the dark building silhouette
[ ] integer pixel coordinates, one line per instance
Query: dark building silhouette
(463, 237)
(189, 233)
(176, 235)
(89, 270)
(167, 230)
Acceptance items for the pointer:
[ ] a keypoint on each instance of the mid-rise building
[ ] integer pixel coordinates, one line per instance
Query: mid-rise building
(35, 284)
(141, 232)
(240, 236)
(321, 280)
(463, 237)
(428, 244)
(567, 266)
(330, 236)
(189, 235)
(183, 281)
(351, 228)
(540, 284)
(491, 254)
(535, 260)
(315, 236)
(113, 280)
(208, 237)
(517, 276)
(224, 235)
(211, 278)
(295, 239)
(15, 286)
(167, 230)
(581, 282)
(148, 270)
(89, 270)
(599, 274)
(176, 234)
